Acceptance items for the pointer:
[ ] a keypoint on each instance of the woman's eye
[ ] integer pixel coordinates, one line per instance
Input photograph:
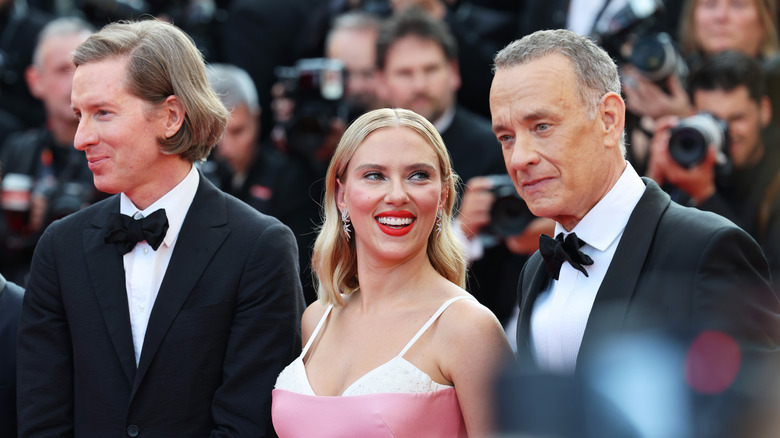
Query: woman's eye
(420, 175)
(373, 176)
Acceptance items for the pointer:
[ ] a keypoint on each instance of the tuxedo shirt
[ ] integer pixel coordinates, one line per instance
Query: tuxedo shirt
(145, 267)
(561, 311)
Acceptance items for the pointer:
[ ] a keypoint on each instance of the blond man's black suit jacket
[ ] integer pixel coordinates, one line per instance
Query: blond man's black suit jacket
(224, 324)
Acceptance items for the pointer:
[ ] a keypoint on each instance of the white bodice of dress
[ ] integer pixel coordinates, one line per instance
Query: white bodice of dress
(397, 375)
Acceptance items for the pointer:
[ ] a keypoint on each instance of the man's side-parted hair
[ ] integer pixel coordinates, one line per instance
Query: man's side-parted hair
(595, 71)
(334, 260)
(417, 23)
(164, 61)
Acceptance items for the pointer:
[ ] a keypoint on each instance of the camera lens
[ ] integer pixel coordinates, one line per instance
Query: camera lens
(657, 58)
(693, 135)
(509, 215)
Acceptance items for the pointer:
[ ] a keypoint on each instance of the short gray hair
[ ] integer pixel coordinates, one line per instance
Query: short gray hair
(234, 86)
(59, 28)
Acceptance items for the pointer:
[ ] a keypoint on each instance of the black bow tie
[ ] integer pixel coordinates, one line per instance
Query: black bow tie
(559, 250)
(125, 231)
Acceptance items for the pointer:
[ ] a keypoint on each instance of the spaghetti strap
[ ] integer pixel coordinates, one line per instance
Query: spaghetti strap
(316, 330)
(431, 321)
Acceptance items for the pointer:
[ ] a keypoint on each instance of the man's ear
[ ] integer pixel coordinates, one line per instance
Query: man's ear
(173, 111)
(33, 78)
(456, 80)
(765, 105)
(613, 117)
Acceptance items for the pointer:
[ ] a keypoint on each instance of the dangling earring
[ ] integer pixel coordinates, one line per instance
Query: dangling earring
(438, 222)
(345, 220)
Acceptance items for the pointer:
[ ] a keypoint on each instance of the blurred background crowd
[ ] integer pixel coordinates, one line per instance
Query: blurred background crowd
(294, 73)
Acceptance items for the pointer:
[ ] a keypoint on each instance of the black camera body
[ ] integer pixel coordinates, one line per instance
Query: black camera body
(656, 57)
(316, 85)
(692, 137)
(67, 198)
(625, 35)
(509, 215)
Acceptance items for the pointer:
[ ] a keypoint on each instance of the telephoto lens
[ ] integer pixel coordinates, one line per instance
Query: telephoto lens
(693, 135)
(657, 58)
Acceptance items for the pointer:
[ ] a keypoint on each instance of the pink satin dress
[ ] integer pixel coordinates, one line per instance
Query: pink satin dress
(395, 399)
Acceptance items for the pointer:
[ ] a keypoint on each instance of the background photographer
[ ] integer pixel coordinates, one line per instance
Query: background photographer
(705, 28)
(258, 173)
(58, 181)
(745, 188)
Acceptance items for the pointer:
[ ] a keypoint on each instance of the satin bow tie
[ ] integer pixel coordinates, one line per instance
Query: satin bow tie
(125, 231)
(559, 250)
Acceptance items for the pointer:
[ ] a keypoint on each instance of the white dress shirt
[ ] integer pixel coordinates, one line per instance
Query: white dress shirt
(561, 311)
(145, 267)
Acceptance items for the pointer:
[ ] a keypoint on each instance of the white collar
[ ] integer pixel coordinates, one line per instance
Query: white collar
(176, 204)
(607, 219)
(443, 123)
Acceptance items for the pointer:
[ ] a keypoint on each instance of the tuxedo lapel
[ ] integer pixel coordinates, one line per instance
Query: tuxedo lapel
(203, 231)
(107, 279)
(620, 282)
(529, 291)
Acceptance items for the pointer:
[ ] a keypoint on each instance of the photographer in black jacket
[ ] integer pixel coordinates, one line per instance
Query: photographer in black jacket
(50, 178)
(737, 176)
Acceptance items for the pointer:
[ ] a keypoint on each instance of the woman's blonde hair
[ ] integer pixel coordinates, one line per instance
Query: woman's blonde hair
(334, 260)
(767, 11)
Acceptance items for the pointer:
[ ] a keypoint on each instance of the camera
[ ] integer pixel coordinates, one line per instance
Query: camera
(691, 138)
(69, 197)
(316, 85)
(509, 215)
(625, 35)
(656, 57)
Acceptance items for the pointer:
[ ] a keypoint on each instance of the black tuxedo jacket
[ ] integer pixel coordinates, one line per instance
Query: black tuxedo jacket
(224, 324)
(675, 268)
(10, 307)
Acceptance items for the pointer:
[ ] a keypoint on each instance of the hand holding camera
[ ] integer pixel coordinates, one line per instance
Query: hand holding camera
(492, 210)
(687, 153)
(646, 98)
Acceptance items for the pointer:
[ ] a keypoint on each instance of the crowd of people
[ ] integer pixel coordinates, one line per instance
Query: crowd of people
(389, 218)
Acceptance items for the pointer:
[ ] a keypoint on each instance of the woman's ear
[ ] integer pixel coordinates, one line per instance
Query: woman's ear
(445, 193)
(173, 112)
(340, 202)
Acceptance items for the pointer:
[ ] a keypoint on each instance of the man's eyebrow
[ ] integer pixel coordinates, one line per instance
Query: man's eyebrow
(528, 117)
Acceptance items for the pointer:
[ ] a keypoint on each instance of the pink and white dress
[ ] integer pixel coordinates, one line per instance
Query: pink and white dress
(395, 399)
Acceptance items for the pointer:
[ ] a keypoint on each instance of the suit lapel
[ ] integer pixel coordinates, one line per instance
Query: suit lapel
(107, 278)
(202, 232)
(619, 284)
(529, 291)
